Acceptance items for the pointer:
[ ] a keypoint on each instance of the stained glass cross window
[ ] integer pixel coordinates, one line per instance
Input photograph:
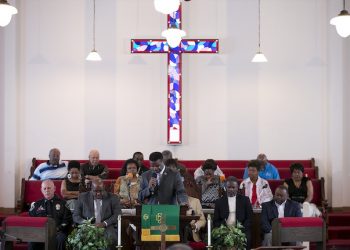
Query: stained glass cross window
(193, 46)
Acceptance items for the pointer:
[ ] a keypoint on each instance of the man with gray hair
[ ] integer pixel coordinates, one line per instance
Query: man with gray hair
(54, 207)
(93, 169)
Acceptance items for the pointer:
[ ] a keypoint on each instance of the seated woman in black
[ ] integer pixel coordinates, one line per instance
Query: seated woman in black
(300, 188)
(71, 184)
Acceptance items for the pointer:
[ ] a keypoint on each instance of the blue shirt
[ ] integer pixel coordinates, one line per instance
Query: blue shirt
(269, 173)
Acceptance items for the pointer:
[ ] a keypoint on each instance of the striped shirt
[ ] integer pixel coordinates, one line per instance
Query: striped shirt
(47, 171)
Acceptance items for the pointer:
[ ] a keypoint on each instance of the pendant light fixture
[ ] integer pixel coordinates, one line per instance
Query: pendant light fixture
(342, 22)
(6, 12)
(93, 55)
(259, 56)
(173, 36)
(166, 6)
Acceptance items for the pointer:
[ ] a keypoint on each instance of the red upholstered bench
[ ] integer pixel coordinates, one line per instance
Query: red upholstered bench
(283, 172)
(34, 229)
(310, 163)
(319, 191)
(299, 229)
(114, 173)
(31, 192)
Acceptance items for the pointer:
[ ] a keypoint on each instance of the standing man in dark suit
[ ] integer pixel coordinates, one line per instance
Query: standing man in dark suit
(102, 206)
(161, 185)
(232, 208)
(279, 207)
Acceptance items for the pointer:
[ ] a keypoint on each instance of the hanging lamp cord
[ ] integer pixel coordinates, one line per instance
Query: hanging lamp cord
(259, 25)
(94, 25)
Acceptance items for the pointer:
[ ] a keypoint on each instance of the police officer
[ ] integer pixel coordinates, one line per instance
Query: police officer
(54, 207)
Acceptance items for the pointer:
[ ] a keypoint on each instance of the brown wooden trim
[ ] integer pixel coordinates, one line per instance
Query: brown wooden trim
(313, 162)
(317, 172)
(340, 209)
(32, 167)
(7, 210)
(20, 203)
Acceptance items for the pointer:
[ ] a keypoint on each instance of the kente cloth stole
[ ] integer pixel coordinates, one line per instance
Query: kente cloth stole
(155, 218)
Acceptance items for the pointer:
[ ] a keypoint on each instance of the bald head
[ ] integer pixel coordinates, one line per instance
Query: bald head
(48, 189)
(94, 157)
(54, 156)
(262, 158)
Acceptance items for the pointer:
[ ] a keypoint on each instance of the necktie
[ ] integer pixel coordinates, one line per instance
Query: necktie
(254, 195)
(98, 210)
(49, 206)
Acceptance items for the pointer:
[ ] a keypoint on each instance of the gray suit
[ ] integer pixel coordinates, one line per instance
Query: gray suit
(170, 190)
(84, 209)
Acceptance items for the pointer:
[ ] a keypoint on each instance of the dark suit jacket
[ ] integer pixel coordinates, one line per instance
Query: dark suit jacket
(170, 191)
(269, 212)
(84, 208)
(244, 214)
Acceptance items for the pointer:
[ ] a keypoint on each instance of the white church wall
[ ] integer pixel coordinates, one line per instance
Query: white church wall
(232, 108)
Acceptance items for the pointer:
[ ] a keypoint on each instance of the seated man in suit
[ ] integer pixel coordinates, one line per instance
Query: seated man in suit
(56, 208)
(161, 185)
(232, 208)
(102, 206)
(279, 207)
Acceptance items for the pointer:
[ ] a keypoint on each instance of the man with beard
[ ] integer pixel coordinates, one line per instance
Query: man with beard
(161, 185)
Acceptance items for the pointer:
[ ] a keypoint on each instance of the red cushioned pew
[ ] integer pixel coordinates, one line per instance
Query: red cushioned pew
(29, 229)
(292, 229)
(284, 173)
(31, 192)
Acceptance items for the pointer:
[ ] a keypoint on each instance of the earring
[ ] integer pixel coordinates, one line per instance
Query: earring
(69, 176)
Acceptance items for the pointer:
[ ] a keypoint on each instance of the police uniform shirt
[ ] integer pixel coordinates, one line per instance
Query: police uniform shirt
(55, 208)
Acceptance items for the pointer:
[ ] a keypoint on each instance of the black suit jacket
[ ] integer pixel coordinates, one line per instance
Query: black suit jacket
(170, 191)
(244, 214)
(269, 212)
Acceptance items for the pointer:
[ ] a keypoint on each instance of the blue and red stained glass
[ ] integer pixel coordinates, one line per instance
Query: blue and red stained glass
(150, 46)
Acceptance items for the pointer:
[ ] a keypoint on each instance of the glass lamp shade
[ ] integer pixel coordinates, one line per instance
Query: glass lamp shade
(342, 23)
(93, 56)
(173, 36)
(6, 12)
(166, 6)
(259, 57)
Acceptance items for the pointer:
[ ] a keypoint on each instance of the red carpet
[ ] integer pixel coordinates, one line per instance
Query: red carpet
(339, 231)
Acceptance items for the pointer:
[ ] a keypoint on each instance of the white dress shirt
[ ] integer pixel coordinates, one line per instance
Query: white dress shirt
(263, 190)
(159, 175)
(231, 220)
(280, 209)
